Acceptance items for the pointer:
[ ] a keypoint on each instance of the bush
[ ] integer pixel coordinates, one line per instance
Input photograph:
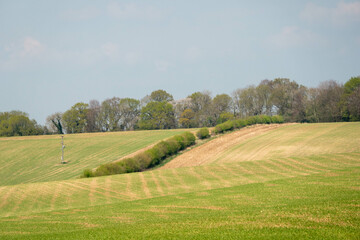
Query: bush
(218, 129)
(144, 160)
(189, 138)
(240, 123)
(109, 169)
(267, 119)
(228, 125)
(203, 133)
(87, 173)
(174, 146)
(223, 127)
(155, 155)
(277, 119)
(165, 147)
(130, 165)
(250, 121)
(180, 139)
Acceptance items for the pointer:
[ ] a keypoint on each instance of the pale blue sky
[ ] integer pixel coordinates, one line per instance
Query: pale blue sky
(56, 53)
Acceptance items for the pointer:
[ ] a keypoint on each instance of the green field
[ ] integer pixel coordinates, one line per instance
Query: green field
(296, 195)
(37, 158)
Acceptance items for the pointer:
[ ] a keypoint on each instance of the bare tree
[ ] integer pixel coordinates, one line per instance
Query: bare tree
(93, 115)
(54, 123)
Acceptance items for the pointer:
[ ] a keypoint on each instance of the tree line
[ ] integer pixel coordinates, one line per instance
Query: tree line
(329, 102)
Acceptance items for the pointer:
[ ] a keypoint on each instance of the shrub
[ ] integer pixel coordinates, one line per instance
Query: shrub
(165, 146)
(218, 129)
(267, 119)
(174, 146)
(180, 139)
(223, 127)
(162, 149)
(250, 121)
(228, 125)
(203, 133)
(109, 169)
(155, 155)
(87, 173)
(240, 123)
(189, 138)
(130, 165)
(277, 119)
(144, 160)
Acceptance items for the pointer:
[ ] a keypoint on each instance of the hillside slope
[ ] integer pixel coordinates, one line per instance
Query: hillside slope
(37, 158)
(274, 141)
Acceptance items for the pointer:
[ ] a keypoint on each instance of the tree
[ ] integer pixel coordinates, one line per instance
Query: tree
(130, 111)
(110, 114)
(187, 119)
(312, 105)
(354, 105)
(157, 115)
(287, 95)
(221, 104)
(54, 122)
(201, 104)
(75, 118)
(263, 91)
(161, 96)
(17, 123)
(244, 100)
(179, 107)
(330, 93)
(93, 117)
(349, 100)
(225, 116)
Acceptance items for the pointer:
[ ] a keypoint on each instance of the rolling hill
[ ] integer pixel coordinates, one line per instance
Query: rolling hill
(298, 180)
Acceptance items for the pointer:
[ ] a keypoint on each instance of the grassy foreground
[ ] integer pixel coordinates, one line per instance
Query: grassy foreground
(319, 206)
(37, 158)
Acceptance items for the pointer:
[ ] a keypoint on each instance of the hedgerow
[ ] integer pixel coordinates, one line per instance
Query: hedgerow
(164, 149)
(240, 123)
(145, 160)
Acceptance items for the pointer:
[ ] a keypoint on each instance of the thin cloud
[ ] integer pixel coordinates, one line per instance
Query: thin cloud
(292, 36)
(193, 53)
(162, 66)
(29, 46)
(26, 51)
(133, 11)
(343, 13)
(110, 49)
(85, 13)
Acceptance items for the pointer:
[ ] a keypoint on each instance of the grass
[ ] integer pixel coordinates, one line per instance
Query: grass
(37, 158)
(319, 206)
(311, 195)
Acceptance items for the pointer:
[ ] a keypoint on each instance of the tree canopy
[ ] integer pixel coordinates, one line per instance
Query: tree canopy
(328, 102)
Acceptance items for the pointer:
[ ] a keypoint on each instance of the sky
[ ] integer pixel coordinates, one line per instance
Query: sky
(54, 54)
